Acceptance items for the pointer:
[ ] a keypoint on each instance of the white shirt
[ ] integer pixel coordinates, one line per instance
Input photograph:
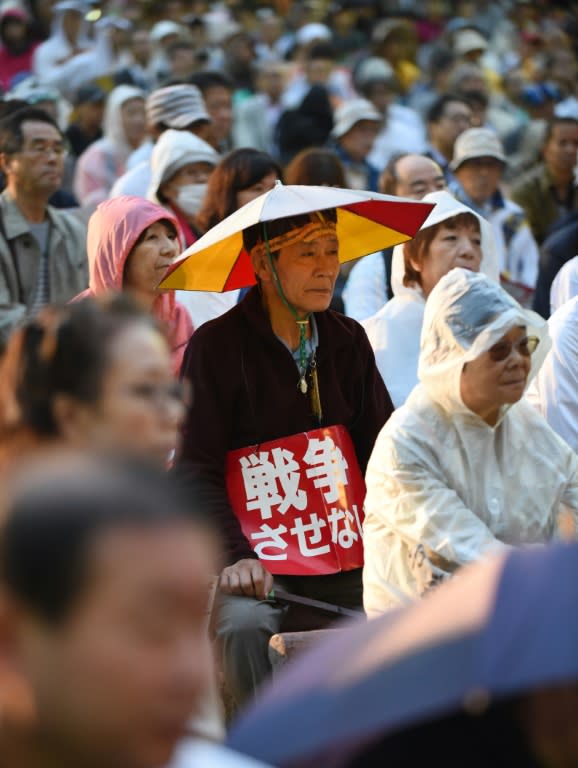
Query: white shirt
(365, 291)
(554, 391)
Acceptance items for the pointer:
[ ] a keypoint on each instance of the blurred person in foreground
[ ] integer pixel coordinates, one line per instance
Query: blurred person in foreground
(42, 250)
(91, 375)
(466, 467)
(104, 584)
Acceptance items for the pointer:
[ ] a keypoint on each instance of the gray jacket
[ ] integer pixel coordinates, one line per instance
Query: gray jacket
(68, 266)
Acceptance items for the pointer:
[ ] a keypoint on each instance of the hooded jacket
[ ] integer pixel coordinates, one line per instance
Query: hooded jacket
(113, 230)
(443, 487)
(105, 160)
(395, 330)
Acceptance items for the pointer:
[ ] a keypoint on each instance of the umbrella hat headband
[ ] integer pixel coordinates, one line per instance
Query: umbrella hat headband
(304, 234)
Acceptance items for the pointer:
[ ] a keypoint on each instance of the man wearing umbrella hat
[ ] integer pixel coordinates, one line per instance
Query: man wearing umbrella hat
(287, 403)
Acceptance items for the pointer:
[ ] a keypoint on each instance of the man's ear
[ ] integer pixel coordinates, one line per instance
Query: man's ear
(261, 267)
(16, 697)
(71, 417)
(4, 162)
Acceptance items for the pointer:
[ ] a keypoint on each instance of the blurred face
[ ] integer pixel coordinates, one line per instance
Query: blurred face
(456, 247)
(90, 114)
(140, 408)
(38, 167)
(318, 71)
(417, 175)
(486, 385)
(265, 184)
(220, 108)
(71, 22)
(480, 177)
(134, 121)
(14, 30)
(307, 272)
(358, 141)
(457, 118)
(117, 680)
(562, 148)
(381, 95)
(141, 46)
(148, 261)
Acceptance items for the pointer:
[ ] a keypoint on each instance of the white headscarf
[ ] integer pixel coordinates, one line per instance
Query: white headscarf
(112, 124)
(446, 207)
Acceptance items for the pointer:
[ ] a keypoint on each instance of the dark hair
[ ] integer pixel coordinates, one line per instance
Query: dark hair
(61, 351)
(11, 137)
(210, 79)
(179, 45)
(316, 166)
(321, 50)
(418, 248)
(256, 233)
(55, 514)
(556, 120)
(238, 170)
(438, 108)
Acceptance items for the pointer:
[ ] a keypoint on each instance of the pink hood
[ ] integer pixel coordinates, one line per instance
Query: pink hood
(113, 230)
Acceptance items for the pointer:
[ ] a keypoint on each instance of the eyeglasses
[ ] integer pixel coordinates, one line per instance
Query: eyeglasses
(175, 392)
(44, 148)
(503, 349)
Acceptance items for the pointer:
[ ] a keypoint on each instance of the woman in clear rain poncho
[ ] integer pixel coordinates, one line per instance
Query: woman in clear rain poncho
(464, 468)
(453, 236)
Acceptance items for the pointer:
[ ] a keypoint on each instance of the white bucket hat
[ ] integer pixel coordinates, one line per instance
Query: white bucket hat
(477, 142)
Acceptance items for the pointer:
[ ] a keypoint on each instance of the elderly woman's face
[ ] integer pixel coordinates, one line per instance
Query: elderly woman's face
(498, 377)
(459, 246)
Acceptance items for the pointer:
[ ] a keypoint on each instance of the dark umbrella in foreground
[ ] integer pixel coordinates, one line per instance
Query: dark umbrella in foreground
(497, 630)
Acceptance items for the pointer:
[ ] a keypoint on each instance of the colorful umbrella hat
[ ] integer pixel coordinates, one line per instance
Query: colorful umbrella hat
(366, 222)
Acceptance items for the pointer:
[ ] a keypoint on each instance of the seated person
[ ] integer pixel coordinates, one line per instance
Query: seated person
(464, 468)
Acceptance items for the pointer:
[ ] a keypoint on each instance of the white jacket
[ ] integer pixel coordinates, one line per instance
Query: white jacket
(443, 487)
(565, 285)
(554, 391)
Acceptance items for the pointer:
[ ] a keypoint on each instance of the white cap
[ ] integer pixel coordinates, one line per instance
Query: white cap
(352, 112)
(310, 32)
(164, 28)
(477, 142)
(173, 150)
(468, 40)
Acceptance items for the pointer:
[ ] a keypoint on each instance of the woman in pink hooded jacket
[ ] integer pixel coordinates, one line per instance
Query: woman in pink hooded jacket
(131, 242)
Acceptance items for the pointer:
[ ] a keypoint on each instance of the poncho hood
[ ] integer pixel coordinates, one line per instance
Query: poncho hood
(466, 314)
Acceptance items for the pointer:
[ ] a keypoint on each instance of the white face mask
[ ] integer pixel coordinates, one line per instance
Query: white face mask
(190, 197)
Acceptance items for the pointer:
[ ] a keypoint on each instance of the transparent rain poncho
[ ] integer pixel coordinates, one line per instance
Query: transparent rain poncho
(444, 488)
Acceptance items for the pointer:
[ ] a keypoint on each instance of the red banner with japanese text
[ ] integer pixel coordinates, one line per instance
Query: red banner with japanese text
(299, 500)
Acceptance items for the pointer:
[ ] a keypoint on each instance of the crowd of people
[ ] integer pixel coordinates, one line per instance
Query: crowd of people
(370, 386)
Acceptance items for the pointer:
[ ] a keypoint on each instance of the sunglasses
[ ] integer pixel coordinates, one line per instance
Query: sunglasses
(503, 349)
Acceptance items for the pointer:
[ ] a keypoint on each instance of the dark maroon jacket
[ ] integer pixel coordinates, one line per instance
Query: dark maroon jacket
(244, 392)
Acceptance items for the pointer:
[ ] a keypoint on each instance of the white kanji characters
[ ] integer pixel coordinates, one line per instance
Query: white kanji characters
(262, 477)
(301, 530)
(272, 538)
(328, 467)
(345, 536)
